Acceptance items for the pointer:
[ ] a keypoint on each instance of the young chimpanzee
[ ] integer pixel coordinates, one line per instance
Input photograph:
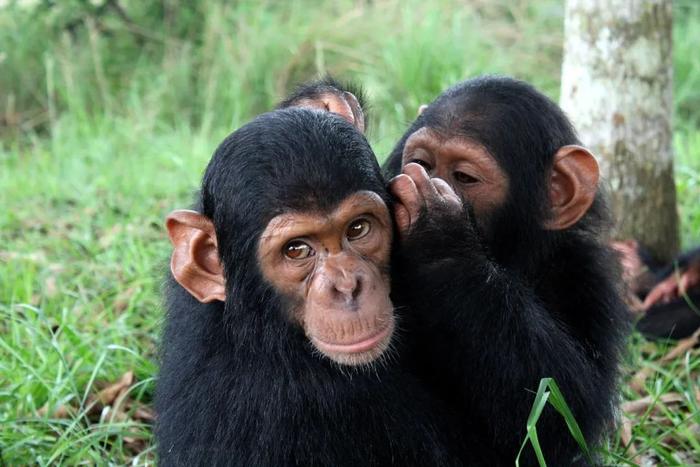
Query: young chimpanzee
(504, 265)
(277, 348)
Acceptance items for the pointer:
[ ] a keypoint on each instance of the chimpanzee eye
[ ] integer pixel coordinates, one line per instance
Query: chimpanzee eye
(464, 178)
(358, 229)
(422, 163)
(296, 249)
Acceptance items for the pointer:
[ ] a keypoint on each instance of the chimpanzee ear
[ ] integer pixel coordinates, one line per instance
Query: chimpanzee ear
(358, 116)
(195, 261)
(572, 186)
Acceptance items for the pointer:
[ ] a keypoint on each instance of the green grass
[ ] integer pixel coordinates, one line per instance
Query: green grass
(106, 125)
(549, 391)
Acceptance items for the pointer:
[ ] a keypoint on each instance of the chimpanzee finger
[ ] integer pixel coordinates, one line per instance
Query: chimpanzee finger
(689, 279)
(661, 293)
(402, 217)
(403, 187)
(446, 191)
(422, 181)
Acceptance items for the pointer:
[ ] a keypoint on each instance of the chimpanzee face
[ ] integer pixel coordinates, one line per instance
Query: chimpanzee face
(294, 226)
(333, 268)
(461, 162)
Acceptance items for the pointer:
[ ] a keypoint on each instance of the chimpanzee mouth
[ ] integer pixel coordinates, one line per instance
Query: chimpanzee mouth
(364, 344)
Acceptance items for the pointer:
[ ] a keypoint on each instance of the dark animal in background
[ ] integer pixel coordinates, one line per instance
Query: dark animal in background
(277, 348)
(676, 319)
(504, 265)
(667, 296)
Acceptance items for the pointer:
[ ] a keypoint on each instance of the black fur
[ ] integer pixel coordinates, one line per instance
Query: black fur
(676, 319)
(496, 313)
(239, 383)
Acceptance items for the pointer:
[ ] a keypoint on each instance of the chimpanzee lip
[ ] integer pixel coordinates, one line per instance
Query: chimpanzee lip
(361, 345)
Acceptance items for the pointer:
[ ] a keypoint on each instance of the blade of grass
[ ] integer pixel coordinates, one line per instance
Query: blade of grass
(537, 407)
(548, 391)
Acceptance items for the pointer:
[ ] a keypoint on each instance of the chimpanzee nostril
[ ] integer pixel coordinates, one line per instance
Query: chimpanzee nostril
(358, 289)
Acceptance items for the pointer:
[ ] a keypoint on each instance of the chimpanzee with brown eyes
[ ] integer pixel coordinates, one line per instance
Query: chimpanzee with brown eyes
(279, 336)
(503, 263)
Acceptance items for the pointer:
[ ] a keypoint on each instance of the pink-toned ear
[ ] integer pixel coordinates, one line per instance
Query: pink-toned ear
(358, 116)
(195, 261)
(572, 186)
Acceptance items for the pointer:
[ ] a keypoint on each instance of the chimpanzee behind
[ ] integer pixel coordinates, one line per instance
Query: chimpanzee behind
(278, 342)
(504, 262)
(345, 99)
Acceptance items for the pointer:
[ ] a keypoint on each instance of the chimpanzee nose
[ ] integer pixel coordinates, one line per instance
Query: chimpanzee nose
(347, 285)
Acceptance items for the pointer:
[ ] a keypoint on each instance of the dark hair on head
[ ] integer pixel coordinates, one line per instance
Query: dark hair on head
(286, 160)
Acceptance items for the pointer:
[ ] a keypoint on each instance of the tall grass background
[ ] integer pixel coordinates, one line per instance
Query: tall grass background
(109, 111)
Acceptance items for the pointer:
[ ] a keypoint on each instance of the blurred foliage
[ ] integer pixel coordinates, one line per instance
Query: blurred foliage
(196, 62)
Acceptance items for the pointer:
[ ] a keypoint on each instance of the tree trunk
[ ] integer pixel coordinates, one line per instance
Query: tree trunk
(617, 90)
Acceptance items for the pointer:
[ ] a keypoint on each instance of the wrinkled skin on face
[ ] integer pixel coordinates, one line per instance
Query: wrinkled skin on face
(333, 269)
(432, 162)
(462, 163)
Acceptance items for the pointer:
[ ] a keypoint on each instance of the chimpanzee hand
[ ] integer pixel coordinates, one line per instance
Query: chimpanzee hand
(433, 222)
(674, 286)
(417, 194)
(439, 250)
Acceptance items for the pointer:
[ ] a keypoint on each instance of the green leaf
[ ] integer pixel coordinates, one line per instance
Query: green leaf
(548, 391)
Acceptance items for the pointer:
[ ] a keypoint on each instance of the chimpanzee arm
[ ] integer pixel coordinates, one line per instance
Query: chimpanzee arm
(680, 277)
(487, 338)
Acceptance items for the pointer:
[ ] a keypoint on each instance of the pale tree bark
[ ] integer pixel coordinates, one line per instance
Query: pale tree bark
(617, 90)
